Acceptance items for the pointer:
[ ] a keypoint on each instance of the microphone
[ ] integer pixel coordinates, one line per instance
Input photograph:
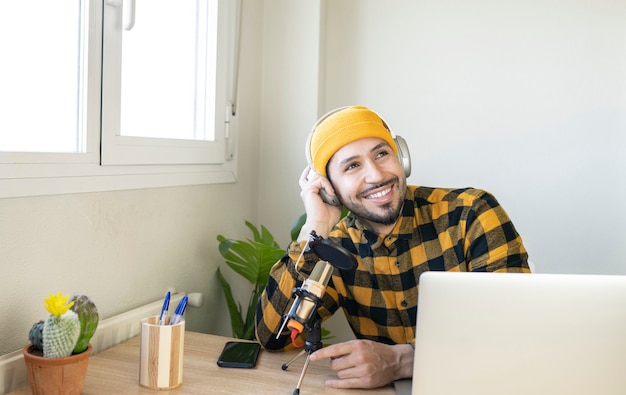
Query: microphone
(308, 297)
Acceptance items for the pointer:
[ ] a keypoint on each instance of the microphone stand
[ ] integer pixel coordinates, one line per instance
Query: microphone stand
(313, 342)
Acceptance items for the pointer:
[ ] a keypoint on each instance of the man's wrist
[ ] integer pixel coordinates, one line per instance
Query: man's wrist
(321, 229)
(407, 355)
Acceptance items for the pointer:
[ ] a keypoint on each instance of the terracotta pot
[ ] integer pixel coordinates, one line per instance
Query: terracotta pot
(56, 376)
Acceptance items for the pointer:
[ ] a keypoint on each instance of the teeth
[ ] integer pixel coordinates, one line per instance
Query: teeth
(379, 194)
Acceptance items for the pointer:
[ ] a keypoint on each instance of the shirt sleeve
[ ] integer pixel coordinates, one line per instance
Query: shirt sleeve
(277, 298)
(492, 242)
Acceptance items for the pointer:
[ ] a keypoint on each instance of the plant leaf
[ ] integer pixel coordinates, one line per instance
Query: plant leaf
(250, 259)
(297, 226)
(249, 324)
(234, 309)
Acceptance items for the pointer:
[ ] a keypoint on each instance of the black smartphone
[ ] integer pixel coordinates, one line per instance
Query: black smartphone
(238, 354)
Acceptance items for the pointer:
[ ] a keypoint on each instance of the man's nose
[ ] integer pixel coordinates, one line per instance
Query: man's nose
(374, 173)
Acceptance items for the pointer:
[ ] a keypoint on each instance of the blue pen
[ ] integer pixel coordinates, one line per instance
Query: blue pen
(180, 310)
(166, 305)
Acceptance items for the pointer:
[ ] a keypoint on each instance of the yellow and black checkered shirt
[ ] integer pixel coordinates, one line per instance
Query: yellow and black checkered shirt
(440, 229)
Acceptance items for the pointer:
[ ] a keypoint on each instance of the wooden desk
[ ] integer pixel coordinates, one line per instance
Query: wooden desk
(116, 371)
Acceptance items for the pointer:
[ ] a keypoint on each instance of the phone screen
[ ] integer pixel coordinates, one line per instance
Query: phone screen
(239, 355)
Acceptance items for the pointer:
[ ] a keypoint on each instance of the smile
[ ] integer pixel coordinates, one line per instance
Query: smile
(380, 194)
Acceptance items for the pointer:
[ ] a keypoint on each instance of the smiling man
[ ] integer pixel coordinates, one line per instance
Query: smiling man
(395, 232)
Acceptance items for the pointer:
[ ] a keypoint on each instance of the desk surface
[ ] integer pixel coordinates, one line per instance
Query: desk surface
(116, 371)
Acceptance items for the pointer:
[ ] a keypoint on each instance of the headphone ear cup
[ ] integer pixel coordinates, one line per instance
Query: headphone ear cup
(403, 154)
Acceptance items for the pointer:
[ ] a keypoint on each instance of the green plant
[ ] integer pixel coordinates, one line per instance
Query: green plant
(68, 328)
(252, 259)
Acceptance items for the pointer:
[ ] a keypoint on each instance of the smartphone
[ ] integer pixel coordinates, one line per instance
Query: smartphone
(238, 354)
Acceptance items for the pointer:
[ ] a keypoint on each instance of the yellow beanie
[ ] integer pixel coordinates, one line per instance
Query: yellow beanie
(341, 128)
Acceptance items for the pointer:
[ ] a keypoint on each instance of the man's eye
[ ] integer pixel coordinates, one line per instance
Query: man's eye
(351, 166)
(381, 154)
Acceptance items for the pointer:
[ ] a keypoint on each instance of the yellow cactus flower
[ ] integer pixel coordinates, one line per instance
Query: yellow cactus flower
(57, 304)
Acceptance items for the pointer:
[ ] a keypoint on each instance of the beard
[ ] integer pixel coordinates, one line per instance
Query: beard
(386, 214)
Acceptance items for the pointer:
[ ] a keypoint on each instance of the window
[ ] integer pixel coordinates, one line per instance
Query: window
(111, 94)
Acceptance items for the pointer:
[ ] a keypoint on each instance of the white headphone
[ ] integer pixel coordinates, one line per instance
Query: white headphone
(403, 149)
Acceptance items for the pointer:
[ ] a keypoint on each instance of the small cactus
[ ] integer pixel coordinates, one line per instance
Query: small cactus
(36, 335)
(88, 316)
(61, 329)
(69, 327)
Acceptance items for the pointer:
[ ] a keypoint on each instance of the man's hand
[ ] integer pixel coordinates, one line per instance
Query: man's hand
(321, 217)
(366, 364)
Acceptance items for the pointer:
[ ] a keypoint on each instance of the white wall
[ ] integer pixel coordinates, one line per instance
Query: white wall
(291, 80)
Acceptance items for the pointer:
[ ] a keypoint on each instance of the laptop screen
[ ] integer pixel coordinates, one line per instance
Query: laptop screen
(506, 333)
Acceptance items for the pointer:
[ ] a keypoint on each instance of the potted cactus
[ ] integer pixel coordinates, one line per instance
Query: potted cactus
(57, 358)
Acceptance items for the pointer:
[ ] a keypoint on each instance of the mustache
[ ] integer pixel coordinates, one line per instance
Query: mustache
(369, 190)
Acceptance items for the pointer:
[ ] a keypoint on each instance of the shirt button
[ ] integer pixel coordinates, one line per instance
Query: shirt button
(404, 303)
(398, 263)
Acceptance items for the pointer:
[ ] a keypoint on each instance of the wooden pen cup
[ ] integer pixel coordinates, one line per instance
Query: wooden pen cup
(161, 353)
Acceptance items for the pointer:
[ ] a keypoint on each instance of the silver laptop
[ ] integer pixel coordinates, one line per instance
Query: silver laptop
(504, 333)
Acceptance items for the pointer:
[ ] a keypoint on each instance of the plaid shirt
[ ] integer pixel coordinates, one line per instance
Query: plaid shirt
(440, 229)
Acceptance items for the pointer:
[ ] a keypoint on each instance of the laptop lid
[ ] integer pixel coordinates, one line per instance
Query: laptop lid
(506, 333)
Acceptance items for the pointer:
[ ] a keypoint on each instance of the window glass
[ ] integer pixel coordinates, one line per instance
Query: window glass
(41, 76)
(167, 59)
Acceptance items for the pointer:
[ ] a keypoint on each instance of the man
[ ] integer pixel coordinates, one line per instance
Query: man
(395, 231)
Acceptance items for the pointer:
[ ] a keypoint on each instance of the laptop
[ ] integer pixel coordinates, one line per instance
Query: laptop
(508, 333)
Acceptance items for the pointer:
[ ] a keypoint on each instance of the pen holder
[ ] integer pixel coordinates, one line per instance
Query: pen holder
(161, 353)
